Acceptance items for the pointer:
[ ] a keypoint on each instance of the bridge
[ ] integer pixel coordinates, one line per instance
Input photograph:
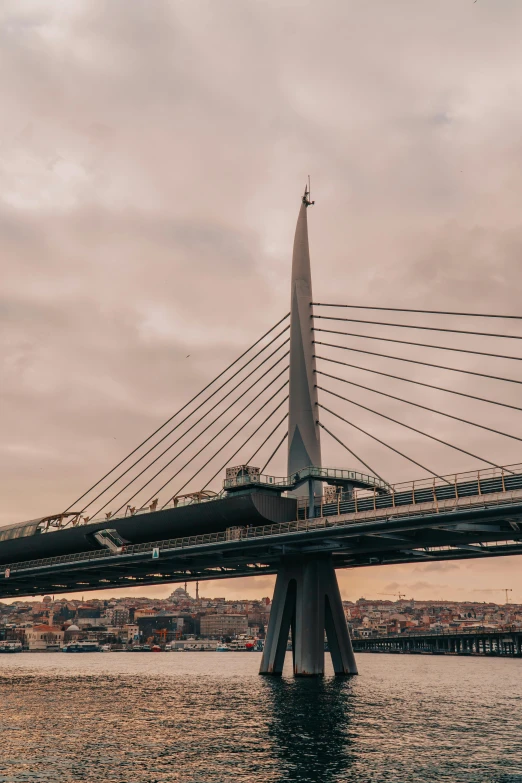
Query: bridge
(301, 526)
(476, 641)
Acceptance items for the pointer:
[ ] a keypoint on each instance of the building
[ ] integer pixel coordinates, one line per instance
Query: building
(91, 622)
(43, 637)
(223, 624)
(118, 615)
(165, 626)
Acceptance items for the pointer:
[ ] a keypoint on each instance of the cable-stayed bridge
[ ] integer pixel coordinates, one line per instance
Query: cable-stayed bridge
(188, 502)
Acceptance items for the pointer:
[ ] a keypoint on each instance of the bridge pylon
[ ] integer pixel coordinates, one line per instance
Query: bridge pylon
(306, 600)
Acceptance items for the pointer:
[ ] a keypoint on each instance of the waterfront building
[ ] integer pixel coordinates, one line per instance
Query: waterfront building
(43, 637)
(223, 624)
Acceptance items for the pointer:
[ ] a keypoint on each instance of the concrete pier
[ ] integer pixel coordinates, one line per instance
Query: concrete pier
(307, 602)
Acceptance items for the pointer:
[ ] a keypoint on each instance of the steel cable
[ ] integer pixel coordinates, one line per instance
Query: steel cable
(424, 407)
(409, 310)
(420, 345)
(372, 471)
(271, 457)
(249, 462)
(422, 383)
(181, 452)
(192, 400)
(415, 361)
(408, 426)
(410, 459)
(242, 445)
(426, 328)
(216, 405)
(204, 447)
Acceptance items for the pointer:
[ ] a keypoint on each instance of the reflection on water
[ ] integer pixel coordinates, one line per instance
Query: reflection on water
(309, 727)
(209, 718)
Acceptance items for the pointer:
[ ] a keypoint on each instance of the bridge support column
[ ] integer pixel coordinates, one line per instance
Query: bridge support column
(307, 602)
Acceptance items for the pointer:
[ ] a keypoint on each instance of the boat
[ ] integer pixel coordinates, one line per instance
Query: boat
(10, 647)
(105, 648)
(79, 647)
(242, 645)
(155, 648)
(222, 648)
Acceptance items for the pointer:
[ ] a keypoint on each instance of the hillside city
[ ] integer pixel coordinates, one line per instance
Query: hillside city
(182, 621)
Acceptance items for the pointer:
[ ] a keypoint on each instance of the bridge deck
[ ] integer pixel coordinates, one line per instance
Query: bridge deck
(438, 529)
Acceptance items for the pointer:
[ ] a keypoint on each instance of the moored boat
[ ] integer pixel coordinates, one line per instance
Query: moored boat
(10, 647)
(79, 647)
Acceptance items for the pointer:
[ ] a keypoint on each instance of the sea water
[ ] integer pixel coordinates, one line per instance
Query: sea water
(210, 718)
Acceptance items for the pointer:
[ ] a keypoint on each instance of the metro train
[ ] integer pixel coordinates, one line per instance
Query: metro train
(36, 539)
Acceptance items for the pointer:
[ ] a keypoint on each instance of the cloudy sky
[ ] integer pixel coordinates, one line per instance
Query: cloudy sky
(152, 162)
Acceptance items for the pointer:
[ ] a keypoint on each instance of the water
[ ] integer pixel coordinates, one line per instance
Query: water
(209, 718)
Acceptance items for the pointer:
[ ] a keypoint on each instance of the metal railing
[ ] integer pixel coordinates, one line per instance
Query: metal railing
(289, 482)
(280, 529)
(480, 631)
(437, 486)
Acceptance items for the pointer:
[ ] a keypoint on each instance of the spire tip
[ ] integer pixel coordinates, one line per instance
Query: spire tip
(306, 198)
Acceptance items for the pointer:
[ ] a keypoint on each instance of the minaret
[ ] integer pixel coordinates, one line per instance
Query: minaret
(304, 445)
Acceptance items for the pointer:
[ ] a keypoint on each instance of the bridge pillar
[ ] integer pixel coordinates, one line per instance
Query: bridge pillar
(307, 602)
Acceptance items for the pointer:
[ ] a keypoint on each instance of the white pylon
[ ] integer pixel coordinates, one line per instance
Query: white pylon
(304, 445)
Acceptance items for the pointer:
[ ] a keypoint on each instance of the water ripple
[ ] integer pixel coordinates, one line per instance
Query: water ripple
(209, 718)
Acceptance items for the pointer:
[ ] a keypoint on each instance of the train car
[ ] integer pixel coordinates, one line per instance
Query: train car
(36, 539)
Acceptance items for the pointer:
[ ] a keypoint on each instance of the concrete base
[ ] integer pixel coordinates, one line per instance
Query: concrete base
(307, 601)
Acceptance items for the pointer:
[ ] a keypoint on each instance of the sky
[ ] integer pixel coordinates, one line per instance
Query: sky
(152, 162)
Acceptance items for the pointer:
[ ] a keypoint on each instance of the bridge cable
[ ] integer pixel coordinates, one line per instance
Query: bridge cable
(427, 328)
(416, 361)
(249, 462)
(233, 455)
(372, 471)
(409, 427)
(192, 400)
(204, 447)
(420, 345)
(285, 436)
(428, 312)
(184, 449)
(424, 407)
(195, 424)
(436, 475)
(422, 383)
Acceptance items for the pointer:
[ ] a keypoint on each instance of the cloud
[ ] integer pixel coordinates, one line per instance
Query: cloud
(151, 167)
(441, 567)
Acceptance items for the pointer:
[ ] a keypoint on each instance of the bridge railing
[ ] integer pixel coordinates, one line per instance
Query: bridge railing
(438, 634)
(458, 486)
(244, 534)
(436, 485)
(454, 479)
(289, 482)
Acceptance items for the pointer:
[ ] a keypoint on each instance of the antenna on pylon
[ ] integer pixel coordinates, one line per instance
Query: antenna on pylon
(306, 197)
